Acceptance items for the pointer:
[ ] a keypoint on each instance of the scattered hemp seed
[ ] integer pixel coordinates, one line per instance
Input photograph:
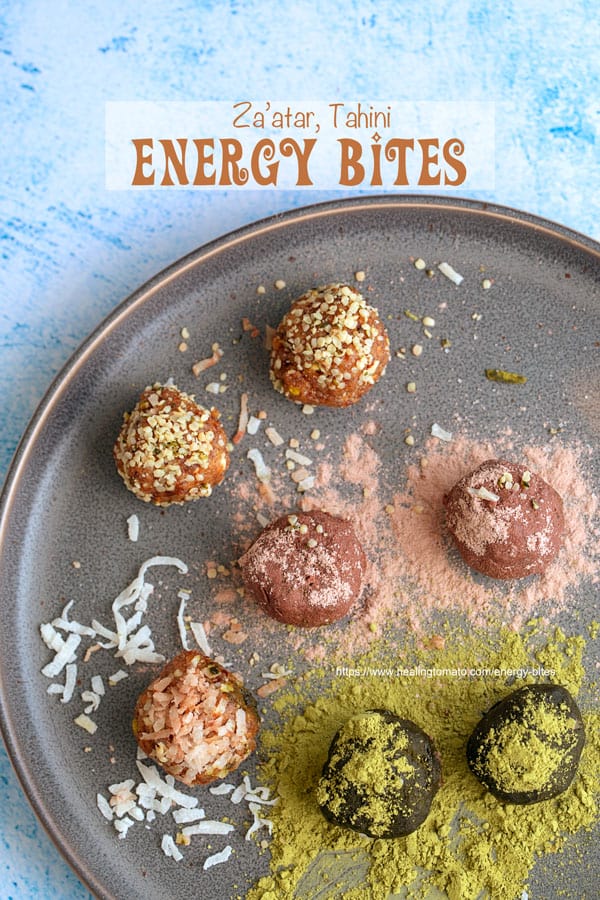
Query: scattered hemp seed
(430, 273)
(526, 479)
(409, 439)
(182, 347)
(535, 504)
(411, 387)
(419, 264)
(315, 434)
(416, 349)
(486, 284)
(261, 289)
(401, 353)
(185, 333)
(505, 377)
(76, 564)
(280, 284)
(294, 443)
(307, 409)
(428, 322)
(360, 275)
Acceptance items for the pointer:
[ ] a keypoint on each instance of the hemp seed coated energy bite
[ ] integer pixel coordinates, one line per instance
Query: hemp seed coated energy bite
(329, 349)
(170, 449)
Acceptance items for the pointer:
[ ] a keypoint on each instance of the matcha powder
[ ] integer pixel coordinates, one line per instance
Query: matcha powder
(471, 846)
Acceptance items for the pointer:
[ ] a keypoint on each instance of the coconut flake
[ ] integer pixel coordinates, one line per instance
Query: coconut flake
(64, 650)
(181, 623)
(306, 483)
(98, 685)
(65, 624)
(298, 458)
(239, 794)
(483, 494)
(92, 699)
(117, 676)
(184, 816)
(207, 826)
(198, 630)
(447, 270)
(263, 473)
(136, 647)
(170, 848)
(258, 821)
(253, 425)
(203, 364)
(133, 528)
(86, 723)
(70, 682)
(217, 858)
(123, 826)
(274, 436)
(219, 789)
(439, 432)
(104, 807)
(165, 788)
(243, 420)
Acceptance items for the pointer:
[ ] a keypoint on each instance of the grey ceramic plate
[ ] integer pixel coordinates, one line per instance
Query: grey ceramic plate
(64, 502)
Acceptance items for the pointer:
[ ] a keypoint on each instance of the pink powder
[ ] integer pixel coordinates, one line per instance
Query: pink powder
(414, 575)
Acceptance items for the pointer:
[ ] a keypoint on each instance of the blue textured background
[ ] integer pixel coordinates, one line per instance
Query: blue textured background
(71, 250)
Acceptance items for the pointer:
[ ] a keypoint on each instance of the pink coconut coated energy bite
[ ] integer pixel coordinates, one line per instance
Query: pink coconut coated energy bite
(329, 349)
(196, 719)
(170, 449)
(305, 569)
(506, 521)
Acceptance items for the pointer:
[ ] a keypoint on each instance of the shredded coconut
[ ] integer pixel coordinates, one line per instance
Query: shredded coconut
(217, 858)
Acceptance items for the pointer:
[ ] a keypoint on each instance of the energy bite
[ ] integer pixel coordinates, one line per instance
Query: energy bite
(380, 777)
(329, 349)
(305, 569)
(196, 719)
(506, 521)
(527, 747)
(170, 449)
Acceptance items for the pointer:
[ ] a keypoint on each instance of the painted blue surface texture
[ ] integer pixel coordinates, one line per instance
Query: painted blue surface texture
(71, 250)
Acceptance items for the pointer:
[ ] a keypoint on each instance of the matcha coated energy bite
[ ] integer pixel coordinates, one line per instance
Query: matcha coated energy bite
(380, 777)
(527, 747)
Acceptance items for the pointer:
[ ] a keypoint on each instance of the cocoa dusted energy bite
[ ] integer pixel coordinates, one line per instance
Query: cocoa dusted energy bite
(527, 746)
(380, 777)
(506, 521)
(170, 449)
(196, 719)
(305, 569)
(329, 349)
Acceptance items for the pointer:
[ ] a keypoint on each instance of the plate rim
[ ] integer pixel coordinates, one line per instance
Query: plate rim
(440, 203)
